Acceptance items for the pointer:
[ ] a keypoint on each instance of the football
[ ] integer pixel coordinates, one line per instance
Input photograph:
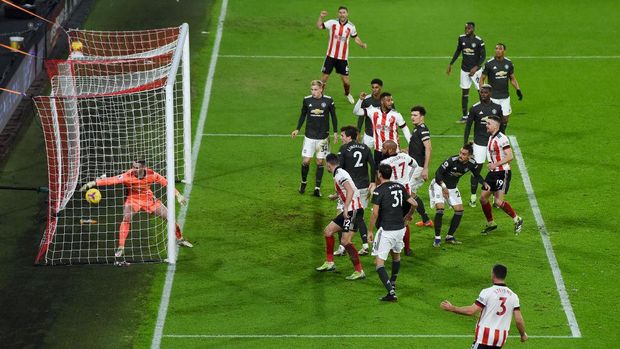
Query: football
(93, 196)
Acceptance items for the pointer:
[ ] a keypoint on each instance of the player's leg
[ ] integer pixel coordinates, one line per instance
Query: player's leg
(162, 211)
(125, 227)
(435, 194)
(505, 205)
(381, 249)
(328, 66)
(465, 84)
(322, 149)
(342, 68)
(361, 224)
(307, 153)
(395, 268)
(348, 229)
(421, 210)
(486, 205)
(328, 233)
(457, 204)
(480, 156)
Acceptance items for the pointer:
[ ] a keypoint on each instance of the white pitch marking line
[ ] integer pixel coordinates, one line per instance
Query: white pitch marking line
(411, 57)
(544, 234)
(258, 336)
(285, 135)
(165, 298)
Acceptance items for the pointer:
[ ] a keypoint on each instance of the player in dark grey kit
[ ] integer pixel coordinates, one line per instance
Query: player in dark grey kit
(499, 70)
(474, 54)
(316, 108)
(388, 200)
(371, 100)
(357, 159)
(478, 115)
(444, 187)
(420, 150)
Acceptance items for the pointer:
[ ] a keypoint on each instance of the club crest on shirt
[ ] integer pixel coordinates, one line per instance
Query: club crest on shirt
(323, 104)
(506, 66)
(494, 111)
(473, 44)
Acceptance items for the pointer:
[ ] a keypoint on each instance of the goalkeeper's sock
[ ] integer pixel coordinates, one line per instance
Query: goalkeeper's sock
(305, 168)
(464, 102)
(355, 258)
(178, 232)
(319, 175)
(124, 231)
(329, 248)
(421, 210)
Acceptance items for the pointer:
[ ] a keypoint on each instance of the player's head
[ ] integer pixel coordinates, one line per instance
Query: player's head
(348, 134)
(499, 272)
(500, 50)
(376, 85)
(343, 14)
(485, 92)
(469, 28)
(418, 113)
(139, 167)
(389, 148)
(466, 152)
(386, 100)
(385, 172)
(493, 123)
(332, 162)
(316, 88)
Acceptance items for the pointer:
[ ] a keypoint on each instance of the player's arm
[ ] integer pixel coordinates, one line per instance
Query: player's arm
(520, 324)
(466, 310)
(332, 113)
(302, 118)
(456, 54)
(373, 167)
(412, 206)
(164, 183)
(427, 157)
(483, 55)
(403, 126)
(475, 171)
(347, 201)
(470, 120)
(373, 220)
(515, 83)
(439, 176)
(320, 22)
(508, 151)
(360, 42)
(357, 108)
(104, 181)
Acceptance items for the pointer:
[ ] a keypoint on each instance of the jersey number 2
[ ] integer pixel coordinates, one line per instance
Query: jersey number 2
(358, 157)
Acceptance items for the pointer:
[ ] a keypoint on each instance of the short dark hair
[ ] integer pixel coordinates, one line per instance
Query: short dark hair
(384, 94)
(420, 109)
(471, 23)
(350, 131)
(385, 171)
(376, 81)
(500, 271)
(487, 87)
(469, 146)
(502, 44)
(332, 158)
(141, 162)
(494, 118)
(343, 8)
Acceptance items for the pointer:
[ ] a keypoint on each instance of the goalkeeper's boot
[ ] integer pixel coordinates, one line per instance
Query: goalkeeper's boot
(327, 266)
(184, 243)
(489, 228)
(357, 275)
(518, 225)
(350, 99)
(472, 200)
(119, 252)
(317, 192)
(302, 187)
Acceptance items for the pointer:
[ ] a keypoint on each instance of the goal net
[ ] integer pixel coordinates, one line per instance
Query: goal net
(103, 113)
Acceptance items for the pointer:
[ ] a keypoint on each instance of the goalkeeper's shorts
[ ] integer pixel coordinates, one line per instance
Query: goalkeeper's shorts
(146, 203)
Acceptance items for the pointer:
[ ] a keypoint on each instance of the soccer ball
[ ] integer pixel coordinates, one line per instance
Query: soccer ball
(93, 196)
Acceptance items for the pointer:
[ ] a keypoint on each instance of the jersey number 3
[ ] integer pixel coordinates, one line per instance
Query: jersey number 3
(503, 305)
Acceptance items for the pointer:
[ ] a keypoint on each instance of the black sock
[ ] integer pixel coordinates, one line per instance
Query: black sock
(456, 220)
(421, 210)
(395, 269)
(474, 181)
(319, 175)
(464, 102)
(304, 172)
(361, 227)
(438, 222)
(384, 278)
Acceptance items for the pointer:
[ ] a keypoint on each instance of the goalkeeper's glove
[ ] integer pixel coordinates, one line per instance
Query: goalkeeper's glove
(519, 94)
(88, 185)
(181, 199)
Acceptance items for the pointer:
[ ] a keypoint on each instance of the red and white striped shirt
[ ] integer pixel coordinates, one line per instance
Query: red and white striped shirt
(340, 178)
(496, 153)
(339, 35)
(498, 303)
(385, 125)
(402, 166)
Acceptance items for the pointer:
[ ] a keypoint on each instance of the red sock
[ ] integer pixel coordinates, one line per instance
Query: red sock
(125, 226)
(508, 209)
(355, 258)
(178, 233)
(329, 248)
(486, 208)
(347, 88)
(407, 238)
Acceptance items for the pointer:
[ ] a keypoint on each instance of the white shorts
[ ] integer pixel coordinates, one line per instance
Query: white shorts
(364, 197)
(369, 141)
(416, 180)
(467, 80)
(386, 241)
(480, 154)
(318, 146)
(435, 192)
(505, 104)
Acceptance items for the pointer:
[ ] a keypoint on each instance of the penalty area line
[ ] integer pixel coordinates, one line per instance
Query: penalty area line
(544, 234)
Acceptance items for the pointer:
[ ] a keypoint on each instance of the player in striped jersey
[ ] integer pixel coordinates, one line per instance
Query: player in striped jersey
(346, 222)
(403, 166)
(340, 31)
(498, 178)
(373, 99)
(385, 122)
(497, 304)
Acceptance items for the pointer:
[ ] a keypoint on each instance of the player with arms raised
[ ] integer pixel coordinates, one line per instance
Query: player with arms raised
(138, 181)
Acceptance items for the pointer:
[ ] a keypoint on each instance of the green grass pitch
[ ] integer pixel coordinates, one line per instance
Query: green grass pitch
(251, 278)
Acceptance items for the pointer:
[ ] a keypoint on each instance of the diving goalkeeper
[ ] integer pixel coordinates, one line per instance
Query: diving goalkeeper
(138, 182)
